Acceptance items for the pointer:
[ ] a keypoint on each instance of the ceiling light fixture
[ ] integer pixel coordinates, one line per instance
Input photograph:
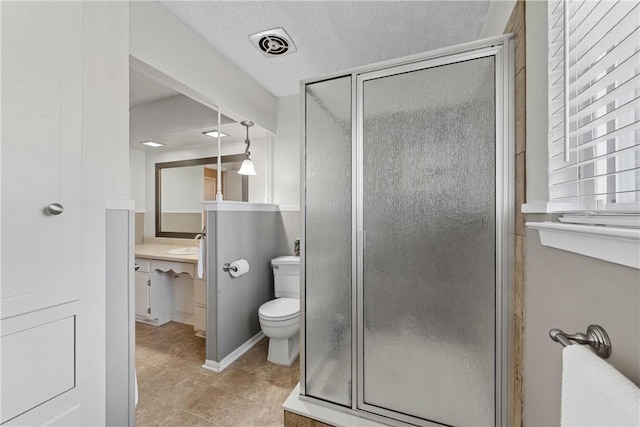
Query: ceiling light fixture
(214, 133)
(152, 144)
(247, 167)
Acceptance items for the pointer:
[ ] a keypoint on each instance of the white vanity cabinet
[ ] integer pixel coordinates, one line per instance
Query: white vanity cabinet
(200, 306)
(154, 292)
(143, 301)
(168, 290)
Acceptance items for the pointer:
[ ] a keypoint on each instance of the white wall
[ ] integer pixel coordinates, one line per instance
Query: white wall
(137, 174)
(536, 102)
(166, 49)
(286, 154)
(111, 62)
(105, 166)
(497, 17)
(258, 183)
(182, 189)
(536, 92)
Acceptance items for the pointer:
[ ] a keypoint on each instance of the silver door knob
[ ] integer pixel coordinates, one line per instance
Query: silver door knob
(55, 209)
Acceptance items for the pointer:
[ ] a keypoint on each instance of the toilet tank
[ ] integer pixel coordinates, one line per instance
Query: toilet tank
(286, 276)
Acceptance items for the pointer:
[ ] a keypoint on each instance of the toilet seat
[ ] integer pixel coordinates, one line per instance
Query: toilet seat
(280, 309)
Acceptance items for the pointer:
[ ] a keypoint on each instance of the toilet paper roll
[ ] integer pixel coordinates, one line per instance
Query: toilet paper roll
(241, 265)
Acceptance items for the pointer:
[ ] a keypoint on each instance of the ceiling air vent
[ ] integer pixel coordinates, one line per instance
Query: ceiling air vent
(272, 43)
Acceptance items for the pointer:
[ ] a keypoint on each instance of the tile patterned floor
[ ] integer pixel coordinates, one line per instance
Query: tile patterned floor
(175, 391)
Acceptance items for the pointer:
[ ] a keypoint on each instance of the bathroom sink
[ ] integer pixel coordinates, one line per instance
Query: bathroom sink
(183, 251)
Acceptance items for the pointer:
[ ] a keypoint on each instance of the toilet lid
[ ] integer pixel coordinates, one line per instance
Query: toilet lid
(280, 309)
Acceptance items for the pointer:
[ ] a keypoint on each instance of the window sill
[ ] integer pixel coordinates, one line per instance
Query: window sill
(545, 207)
(617, 245)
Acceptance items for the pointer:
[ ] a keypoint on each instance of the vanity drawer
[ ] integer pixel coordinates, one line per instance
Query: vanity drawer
(200, 293)
(143, 263)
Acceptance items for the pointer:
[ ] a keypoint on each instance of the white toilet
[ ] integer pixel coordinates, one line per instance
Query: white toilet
(280, 318)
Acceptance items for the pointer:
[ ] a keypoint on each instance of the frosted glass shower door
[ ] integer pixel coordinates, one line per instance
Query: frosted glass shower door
(428, 211)
(327, 242)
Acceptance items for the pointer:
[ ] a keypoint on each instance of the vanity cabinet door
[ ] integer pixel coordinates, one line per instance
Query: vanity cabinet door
(200, 307)
(161, 298)
(143, 284)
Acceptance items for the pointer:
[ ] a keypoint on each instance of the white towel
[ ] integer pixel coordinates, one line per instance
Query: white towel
(594, 393)
(201, 258)
(135, 388)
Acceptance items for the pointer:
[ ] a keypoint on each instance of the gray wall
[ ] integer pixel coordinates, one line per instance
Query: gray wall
(232, 305)
(120, 352)
(570, 291)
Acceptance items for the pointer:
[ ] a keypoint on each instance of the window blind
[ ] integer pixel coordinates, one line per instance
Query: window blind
(601, 40)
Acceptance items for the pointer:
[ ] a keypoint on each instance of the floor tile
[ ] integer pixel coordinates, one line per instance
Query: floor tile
(270, 417)
(152, 412)
(240, 412)
(176, 391)
(211, 404)
(183, 418)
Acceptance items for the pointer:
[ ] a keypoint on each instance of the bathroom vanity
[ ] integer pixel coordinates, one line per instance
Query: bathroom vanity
(167, 286)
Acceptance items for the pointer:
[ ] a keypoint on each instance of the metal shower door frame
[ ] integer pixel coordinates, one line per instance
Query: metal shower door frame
(502, 48)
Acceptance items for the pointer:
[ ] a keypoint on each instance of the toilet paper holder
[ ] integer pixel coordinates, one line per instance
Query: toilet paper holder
(227, 266)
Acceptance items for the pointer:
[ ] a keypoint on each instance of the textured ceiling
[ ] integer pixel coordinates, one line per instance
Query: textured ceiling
(144, 89)
(330, 35)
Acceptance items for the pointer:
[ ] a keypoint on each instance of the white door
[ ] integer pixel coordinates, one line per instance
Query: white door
(142, 295)
(41, 126)
(41, 217)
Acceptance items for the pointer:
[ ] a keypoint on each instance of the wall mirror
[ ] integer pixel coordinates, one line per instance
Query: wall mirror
(181, 186)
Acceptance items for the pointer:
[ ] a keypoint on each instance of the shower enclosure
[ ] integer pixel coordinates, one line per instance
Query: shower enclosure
(407, 237)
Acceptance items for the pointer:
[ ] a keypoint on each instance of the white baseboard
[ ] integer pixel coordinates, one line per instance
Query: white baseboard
(181, 317)
(234, 355)
(155, 322)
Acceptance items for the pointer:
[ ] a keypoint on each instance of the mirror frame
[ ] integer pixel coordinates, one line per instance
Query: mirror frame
(193, 162)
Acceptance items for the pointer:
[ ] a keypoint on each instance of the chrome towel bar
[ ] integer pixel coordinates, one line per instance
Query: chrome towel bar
(596, 337)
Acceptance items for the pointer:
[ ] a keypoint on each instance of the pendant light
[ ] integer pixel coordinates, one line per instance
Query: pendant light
(247, 167)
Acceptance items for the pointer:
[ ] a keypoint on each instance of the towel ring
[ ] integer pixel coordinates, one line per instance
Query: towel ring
(596, 337)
